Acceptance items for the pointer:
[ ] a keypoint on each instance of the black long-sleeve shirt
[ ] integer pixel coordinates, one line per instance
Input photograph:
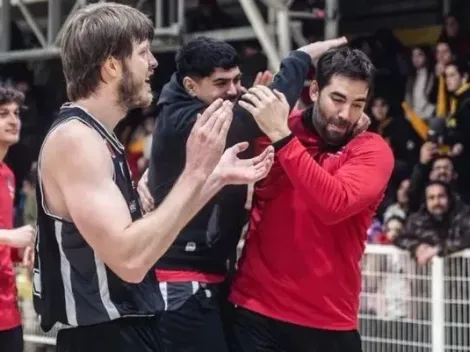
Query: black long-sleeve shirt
(205, 244)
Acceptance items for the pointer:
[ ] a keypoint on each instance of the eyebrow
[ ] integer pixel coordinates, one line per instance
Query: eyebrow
(222, 79)
(342, 96)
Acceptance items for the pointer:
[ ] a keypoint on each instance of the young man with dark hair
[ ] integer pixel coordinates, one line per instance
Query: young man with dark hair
(193, 272)
(298, 283)
(12, 242)
(94, 250)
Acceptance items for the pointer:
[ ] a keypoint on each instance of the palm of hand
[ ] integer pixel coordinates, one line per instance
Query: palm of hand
(237, 171)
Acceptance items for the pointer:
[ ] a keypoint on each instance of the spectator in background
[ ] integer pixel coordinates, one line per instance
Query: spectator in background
(444, 55)
(421, 83)
(453, 33)
(431, 167)
(457, 129)
(397, 131)
(400, 208)
(12, 242)
(441, 227)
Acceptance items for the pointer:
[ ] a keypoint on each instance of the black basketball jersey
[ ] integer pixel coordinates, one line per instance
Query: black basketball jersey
(71, 284)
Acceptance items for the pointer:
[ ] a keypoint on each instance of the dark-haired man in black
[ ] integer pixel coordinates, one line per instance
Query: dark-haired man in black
(192, 271)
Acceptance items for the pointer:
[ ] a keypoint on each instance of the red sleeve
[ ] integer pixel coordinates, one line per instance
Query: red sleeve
(357, 184)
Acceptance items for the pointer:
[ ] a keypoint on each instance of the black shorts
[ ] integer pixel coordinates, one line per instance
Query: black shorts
(193, 319)
(11, 340)
(253, 332)
(139, 334)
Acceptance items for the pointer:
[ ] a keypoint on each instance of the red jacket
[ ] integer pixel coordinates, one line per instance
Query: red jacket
(301, 262)
(10, 316)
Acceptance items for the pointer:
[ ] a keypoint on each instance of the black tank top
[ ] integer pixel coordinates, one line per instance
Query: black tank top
(71, 285)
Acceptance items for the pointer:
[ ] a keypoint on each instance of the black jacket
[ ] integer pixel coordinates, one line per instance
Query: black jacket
(207, 242)
(451, 235)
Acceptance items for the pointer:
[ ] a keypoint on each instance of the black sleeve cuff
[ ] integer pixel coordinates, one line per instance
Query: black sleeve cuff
(282, 142)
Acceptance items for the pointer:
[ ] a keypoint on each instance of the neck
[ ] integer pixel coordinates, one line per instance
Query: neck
(104, 109)
(3, 152)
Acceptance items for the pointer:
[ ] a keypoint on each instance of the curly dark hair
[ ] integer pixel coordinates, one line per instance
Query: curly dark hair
(11, 95)
(344, 61)
(201, 56)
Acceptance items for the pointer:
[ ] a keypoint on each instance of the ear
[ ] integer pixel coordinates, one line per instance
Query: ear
(313, 91)
(111, 69)
(190, 85)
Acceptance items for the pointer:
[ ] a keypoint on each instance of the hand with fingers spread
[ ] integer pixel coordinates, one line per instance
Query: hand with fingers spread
(263, 78)
(207, 140)
(270, 110)
(144, 193)
(235, 171)
(317, 49)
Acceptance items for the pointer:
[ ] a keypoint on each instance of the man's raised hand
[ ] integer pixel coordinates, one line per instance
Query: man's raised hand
(269, 109)
(317, 49)
(207, 140)
(235, 171)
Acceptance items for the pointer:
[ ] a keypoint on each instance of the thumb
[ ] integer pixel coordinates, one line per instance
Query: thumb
(240, 147)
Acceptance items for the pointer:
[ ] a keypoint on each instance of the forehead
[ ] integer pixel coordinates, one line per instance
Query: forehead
(435, 189)
(220, 73)
(352, 89)
(394, 223)
(9, 106)
(379, 102)
(451, 69)
(138, 45)
(442, 47)
(442, 163)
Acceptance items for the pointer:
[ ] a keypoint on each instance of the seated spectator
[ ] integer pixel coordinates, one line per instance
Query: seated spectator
(421, 85)
(397, 131)
(401, 207)
(444, 55)
(432, 166)
(453, 33)
(392, 227)
(441, 227)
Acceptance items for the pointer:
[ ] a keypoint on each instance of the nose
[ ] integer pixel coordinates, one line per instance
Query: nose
(344, 112)
(153, 63)
(233, 89)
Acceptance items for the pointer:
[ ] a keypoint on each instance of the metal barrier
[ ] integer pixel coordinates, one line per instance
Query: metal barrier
(404, 307)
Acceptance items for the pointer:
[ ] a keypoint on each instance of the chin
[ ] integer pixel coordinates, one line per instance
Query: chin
(9, 140)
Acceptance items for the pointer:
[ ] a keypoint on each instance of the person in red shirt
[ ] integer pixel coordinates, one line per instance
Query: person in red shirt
(12, 242)
(298, 283)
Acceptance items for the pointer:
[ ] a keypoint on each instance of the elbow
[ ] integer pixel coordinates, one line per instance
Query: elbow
(131, 271)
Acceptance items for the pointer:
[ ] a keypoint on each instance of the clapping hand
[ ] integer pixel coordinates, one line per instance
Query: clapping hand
(235, 171)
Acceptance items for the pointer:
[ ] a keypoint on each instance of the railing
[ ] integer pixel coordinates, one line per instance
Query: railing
(407, 307)
(404, 307)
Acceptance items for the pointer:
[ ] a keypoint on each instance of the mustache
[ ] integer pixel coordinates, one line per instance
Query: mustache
(340, 123)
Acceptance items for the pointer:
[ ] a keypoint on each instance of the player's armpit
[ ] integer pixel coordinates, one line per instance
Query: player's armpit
(354, 187)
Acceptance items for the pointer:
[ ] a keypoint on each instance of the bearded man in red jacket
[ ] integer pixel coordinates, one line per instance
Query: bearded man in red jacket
(298, 284)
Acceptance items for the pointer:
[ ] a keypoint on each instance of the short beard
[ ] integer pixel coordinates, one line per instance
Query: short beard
(319, 123)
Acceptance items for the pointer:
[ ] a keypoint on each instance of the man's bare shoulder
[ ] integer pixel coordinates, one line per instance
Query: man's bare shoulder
(74, 144)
